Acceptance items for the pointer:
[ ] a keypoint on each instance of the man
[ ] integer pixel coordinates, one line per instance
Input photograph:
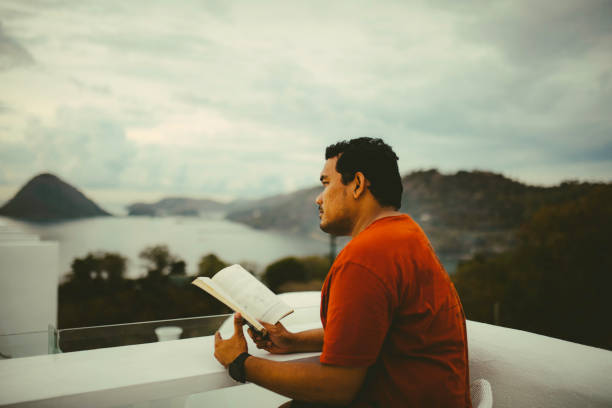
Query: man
(393, 326)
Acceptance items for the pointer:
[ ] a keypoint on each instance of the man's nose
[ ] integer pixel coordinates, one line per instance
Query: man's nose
(318, 200)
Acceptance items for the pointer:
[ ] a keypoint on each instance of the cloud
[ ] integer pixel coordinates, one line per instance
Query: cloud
(12, 54)
(16, 159)
(183, 129)
(543, 32)
(91, 149)
(4, 109)
(83, 145)
(236, 98)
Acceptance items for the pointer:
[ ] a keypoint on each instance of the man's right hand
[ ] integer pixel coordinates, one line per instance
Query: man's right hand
(277, 340)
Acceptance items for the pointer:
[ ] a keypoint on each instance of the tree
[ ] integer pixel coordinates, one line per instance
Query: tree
(284, 270)
(556, 281)
(294, 272)
(316, 266)
(178, 268)
(98, 266)
(159, 262)
(210, 264)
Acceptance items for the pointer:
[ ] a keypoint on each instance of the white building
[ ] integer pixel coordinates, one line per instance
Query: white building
(28, 290)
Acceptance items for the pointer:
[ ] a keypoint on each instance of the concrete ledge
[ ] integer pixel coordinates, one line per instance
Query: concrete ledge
(530, 370)
(121, 375)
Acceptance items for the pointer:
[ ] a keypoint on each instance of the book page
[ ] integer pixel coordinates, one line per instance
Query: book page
(215, 290)
(255, 298)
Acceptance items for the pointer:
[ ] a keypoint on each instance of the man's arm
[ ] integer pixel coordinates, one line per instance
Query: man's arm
(302, 381)
(314, 382)
(309, 340)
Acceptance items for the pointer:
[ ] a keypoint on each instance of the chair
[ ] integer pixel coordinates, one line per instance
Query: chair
(482, 395)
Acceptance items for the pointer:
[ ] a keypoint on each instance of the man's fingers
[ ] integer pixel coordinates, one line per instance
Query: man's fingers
(267, 326)
(260, 342)
(217, 338)
(238, 322)
(264, 345)
(253, 334)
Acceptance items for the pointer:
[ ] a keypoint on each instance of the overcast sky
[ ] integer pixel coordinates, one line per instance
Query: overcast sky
(137, 100)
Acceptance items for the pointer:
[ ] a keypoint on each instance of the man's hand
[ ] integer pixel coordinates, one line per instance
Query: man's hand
(277, 341)
(226, 351)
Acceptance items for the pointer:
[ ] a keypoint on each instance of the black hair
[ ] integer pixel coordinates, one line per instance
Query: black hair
(378, 163)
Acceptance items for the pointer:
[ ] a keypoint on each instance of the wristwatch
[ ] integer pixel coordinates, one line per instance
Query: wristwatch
(236, 367)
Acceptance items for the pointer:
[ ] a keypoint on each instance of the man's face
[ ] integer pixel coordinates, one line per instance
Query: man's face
(335, 201)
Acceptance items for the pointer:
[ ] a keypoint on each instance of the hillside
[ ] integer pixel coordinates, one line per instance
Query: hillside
(175, 206)
(295, 212)
(462, 213)
(47, 198)
(478, 200)
(474, 201)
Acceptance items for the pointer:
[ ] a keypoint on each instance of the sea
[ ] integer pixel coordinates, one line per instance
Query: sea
(189, 238)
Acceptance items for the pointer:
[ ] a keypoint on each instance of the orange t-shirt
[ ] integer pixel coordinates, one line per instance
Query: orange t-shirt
(388, 304)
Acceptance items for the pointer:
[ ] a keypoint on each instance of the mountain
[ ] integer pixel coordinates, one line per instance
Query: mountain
(47, 198)
(462, 213)
(295, 212)
(175, 206)
(479, 200)
(466, 200)
(476, 200)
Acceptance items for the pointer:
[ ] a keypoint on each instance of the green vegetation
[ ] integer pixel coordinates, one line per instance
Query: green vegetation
(554, 281)
(284, 274)
(96, 292)
(105, 268)
(161, 263)
(210, 264)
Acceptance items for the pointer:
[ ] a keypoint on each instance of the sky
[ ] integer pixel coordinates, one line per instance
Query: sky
(137, 100)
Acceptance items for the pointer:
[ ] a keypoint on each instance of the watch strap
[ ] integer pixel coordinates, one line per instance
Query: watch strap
(236, 367)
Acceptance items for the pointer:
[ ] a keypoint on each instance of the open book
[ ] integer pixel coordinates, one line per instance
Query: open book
(243, 293)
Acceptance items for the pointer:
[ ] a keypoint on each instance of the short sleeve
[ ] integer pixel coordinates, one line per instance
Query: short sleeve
(358, 317)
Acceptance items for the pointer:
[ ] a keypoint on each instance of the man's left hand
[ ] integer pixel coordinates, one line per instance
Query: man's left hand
(226, 351)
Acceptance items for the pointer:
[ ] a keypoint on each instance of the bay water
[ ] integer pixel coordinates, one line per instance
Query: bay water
(187, 237)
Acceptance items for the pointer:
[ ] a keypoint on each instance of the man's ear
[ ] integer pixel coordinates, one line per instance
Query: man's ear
(360, 185)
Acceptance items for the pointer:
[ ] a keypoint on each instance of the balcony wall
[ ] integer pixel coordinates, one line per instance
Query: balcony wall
(524, 369)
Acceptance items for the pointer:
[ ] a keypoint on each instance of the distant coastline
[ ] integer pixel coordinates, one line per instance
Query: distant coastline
(463, 213)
